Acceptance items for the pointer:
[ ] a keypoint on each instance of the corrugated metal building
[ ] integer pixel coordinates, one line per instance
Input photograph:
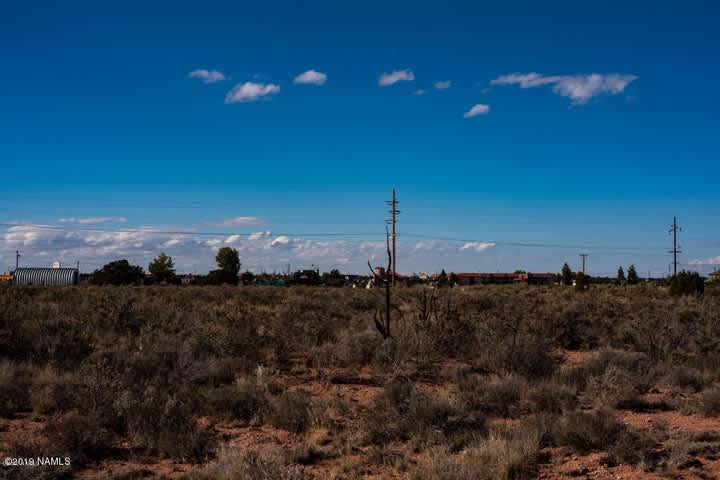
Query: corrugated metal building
(45, 276)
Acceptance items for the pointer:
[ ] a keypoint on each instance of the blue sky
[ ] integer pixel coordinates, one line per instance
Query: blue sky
(595, 125)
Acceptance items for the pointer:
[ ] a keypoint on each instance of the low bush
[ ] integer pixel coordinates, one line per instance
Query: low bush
(78, 436)
(551, 397)
(494, 395)
(179, 437)
(292, 412)
(14, 388)
(241, 401)
(709, 402)
(687, 378)
(401, 413)
(501, 456)
(586, 432)
(235, 463)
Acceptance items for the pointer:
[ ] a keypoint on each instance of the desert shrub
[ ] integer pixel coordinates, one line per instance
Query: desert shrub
(492, 395)
(525, 355)
(241, 401)
(615, 388)
(14, 386)
(599, 430)
(686, 378)
(683, 448)
(709, 402)
(235, 463)
(511, 455)
(214, 372)
(635, 363)
(292, 412)
(179, 437)
(551, 397)
(401, 412)
(303, 454)
(79, 436)
(52, 392)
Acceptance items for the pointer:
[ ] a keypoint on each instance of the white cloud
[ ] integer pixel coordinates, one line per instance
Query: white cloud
(258, 235)
(387, 79)
(311, 77)
(443, 85)
(578, 88)
(525, 80)
(477, 246)
(250, 92)
(280, 241)
(698, 262)
(207, 76)
(92, 220)
(477, 109)
(238, 222)
(419, 92)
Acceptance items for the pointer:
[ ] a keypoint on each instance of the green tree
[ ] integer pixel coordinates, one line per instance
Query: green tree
(687, 283)
(632, 276)
(333, 278)
(228, 260)
(566, 276)
(620, 276)
(162, 268)
(119, 272)
(442, 280)
(453, 279)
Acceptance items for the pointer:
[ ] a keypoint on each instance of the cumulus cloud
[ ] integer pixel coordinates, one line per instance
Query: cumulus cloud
(258, 235)
(207, 76)
(443, 85)
(311, 77)
(477, 109)
(238, 222)
(250, 92)
(700, 262)
(195, 252)
(387, 79)
(92, 220)
(280, 241)
(419, 92)
(578, 88)
(477, 246)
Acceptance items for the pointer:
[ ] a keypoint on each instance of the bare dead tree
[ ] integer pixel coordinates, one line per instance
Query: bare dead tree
(383, 324)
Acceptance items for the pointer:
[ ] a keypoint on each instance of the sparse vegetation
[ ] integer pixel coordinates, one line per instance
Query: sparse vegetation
(474, 383)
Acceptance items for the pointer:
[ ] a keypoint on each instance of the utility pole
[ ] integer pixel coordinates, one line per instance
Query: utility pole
(393, 221)
(17, 259)
(583, 256)
(675, 250)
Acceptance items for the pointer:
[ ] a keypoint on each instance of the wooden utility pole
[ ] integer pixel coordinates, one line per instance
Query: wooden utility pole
(393, 221)
(675, 250)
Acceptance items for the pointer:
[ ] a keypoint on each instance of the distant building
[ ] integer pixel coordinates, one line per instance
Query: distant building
(715, 277)
(6, 278)
(45, 276)
(502, 278)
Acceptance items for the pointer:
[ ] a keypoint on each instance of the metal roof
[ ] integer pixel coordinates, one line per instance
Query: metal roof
(45, 276)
